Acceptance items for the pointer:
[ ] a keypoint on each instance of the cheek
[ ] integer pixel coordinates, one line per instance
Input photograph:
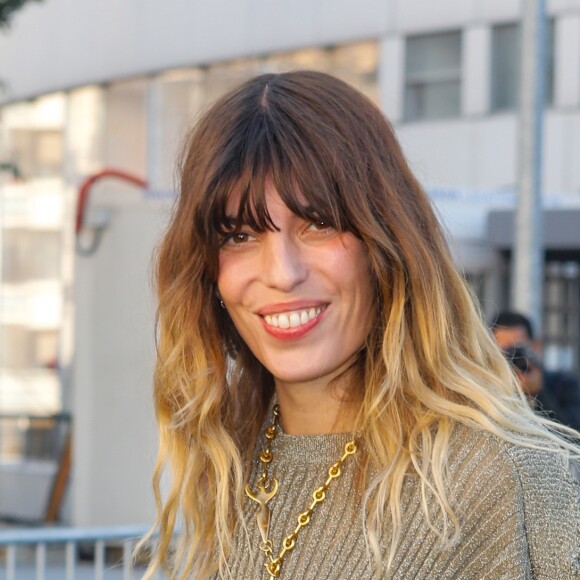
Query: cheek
(230, 278)
(223, 283)
(353, 267)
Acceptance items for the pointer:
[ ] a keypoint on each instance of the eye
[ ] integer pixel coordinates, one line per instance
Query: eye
(319, 225)
(237, 238)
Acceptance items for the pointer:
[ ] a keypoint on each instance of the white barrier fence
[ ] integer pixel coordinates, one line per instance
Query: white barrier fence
(63, 544)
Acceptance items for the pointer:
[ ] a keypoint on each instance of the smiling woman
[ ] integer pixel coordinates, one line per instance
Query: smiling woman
(330, 404)
(301, 298)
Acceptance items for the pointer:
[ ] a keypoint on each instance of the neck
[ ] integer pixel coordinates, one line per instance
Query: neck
(315, 408)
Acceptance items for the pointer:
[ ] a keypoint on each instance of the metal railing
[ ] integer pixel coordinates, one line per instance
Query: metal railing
(68, 541)
(34, 451)
(32, 437)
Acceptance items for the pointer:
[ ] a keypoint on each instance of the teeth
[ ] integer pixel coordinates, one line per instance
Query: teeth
(292, 319)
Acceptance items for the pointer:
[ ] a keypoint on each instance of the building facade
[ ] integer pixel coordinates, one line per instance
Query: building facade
(119, 89)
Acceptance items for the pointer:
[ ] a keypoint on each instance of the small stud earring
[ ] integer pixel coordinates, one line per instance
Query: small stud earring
(222, 304)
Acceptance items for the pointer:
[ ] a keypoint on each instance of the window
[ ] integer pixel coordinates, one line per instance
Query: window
(476, 281)
(505, 66)
(433, 76)
(125, 131)
(562, 315)
(28, 254)
(33, 136)
(38, 153)
(25, 348)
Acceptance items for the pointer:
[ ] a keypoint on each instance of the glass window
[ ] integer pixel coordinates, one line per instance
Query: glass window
(27, 348)
(505, 66)
(125, 131)
(31, 136)
(30, 255)
(37, 153)
(476, 282)
(33, 250)
(562, 316)
(433, 76)
(356, 64)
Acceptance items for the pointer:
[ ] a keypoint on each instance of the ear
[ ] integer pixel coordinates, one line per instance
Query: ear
(537, 346)
(219, 298)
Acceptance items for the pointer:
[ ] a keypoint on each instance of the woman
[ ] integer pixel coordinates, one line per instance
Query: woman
(329, 403)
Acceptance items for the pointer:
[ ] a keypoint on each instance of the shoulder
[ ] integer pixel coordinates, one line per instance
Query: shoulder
(476, 448)
(532, 491)
(563, 379)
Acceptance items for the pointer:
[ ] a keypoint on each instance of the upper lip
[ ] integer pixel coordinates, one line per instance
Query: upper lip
(270, 309)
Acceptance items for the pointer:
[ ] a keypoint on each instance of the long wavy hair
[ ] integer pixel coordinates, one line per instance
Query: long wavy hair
(427, 364)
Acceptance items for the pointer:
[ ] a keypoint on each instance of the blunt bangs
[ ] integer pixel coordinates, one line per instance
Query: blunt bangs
(276, 144)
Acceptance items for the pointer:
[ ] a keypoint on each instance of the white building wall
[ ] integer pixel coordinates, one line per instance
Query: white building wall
(65, 43)
(112, 400)
(114, 40)
(418, 16)
(479, 149)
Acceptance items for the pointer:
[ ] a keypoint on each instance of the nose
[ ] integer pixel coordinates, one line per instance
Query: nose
(283, 264)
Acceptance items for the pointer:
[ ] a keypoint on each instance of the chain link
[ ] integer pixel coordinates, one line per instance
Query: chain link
(274, 565)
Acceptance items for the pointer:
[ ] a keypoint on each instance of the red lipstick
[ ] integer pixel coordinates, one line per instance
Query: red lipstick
(279, 307)
(288, 334)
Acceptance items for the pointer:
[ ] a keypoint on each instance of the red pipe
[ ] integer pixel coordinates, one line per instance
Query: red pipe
(83, 195)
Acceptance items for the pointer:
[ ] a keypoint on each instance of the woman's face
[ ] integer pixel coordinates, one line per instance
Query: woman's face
(301, 296)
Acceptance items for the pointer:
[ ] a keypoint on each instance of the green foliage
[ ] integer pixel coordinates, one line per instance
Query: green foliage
(8, 7)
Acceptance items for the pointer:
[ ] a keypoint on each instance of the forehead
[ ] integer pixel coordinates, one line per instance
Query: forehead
(265, 206)
(506, 337)
(272, 199)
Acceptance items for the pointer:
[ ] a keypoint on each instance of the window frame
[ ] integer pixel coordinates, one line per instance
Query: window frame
(414, 80)
(549, 89)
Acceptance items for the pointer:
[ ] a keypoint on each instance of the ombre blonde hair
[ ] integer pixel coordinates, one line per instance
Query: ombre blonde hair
(428, 363)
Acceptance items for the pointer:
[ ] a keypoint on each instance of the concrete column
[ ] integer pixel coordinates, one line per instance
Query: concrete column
(154, 134)
(528, 254)
(391, 77)
(476, 68)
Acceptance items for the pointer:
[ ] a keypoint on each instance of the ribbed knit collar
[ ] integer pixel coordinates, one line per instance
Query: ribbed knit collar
(309, 449)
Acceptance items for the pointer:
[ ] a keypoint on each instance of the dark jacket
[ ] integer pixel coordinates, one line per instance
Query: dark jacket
(559, 398)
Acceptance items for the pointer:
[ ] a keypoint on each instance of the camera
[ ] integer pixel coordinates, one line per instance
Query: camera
(522, 358)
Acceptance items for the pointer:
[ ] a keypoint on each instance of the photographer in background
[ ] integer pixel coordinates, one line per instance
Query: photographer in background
(556, 393)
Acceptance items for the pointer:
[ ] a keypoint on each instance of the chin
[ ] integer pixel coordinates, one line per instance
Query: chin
(304, 372)
(294, 377)
(303, 376)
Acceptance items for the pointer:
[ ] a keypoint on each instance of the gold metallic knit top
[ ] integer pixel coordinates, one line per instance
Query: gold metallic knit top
(518, 509)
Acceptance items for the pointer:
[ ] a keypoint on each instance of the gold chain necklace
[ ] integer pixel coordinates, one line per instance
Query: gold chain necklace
(267, 490)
